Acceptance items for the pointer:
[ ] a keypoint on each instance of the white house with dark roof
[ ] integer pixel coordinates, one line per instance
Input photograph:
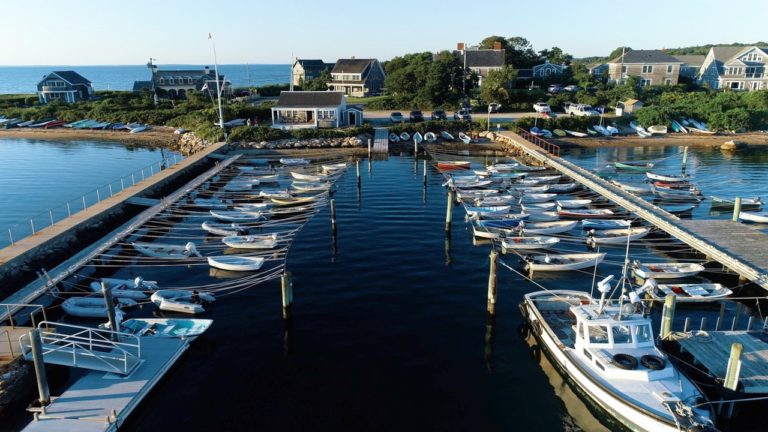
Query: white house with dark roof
(735, 68)
(481, 61)
(357, 77)
(175, 84)
(314, 109)
(67, 86)
(305, 70)
(653, 67)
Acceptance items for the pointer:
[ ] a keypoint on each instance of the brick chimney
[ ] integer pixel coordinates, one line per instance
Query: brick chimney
(460, 46)
(497, 45)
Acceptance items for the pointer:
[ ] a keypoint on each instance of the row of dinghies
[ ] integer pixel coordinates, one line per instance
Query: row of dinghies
(50, 123)
(429, 137)
(682, 126)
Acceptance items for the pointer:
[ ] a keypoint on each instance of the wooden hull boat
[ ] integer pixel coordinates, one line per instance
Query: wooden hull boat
(666, 270)
(182, 301)
(451, 165)
(236, 262)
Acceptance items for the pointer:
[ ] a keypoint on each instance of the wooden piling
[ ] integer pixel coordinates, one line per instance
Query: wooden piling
(369, 148)
(449, 211)
(737, 209)
(687, 324)
(333, 215)
(425, 173)
(703, 325)
(720, 318)
(685, 157)
(113, 324)
(668, 315)
(731, 381)
(357, 165)
(37, 357)
(750, 321)
(735, 322)
(286, 285)
(492, 291)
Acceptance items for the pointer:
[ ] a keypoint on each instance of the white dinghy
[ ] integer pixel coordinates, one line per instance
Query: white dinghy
(93, 307)
(573, 203)
(616, 236)
(553, 227)
(165, 250)
(211, 203)
(686, 292)
(563, 262)
(125, 288)
(223, 229)
(239, 215)
(293, 161)
(666, 270)
(236, 262)
(528, 243)
(182, 301)
(166, 327)
(261, 241)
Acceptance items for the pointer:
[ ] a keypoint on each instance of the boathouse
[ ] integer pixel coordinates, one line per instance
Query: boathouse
(66, 86)
(314, 109)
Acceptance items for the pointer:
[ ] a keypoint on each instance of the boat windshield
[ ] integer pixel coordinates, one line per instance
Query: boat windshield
(622, 334)
(643, 333)
(598, 334)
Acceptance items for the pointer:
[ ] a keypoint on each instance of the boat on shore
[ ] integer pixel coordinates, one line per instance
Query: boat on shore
(447, 136)
(575, 133)
(393, 137)
(464, 138)
(430, 137)
(405, 136)
(607, 352)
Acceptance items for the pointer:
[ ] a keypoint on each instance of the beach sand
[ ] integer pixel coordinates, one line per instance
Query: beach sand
(157, 136)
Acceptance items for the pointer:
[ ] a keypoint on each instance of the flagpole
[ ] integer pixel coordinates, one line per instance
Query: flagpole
(218, 86)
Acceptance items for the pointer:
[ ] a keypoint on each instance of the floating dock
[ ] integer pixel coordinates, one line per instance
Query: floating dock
(730, 243)
(381, 140)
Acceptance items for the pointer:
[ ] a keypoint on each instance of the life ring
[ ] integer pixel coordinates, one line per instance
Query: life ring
(624, 361)
(653, 362)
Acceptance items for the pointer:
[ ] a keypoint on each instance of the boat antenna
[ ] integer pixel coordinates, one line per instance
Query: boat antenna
(218, 85)
(624, 280)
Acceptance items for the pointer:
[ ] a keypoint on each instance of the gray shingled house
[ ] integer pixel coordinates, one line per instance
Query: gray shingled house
(653, 67)
(67, 86)
(357, 77)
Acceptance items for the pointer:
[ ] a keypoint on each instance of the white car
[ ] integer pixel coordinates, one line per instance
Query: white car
(542, 107)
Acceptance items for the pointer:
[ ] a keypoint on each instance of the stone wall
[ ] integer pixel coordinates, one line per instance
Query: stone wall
(292, 143)
(189, 143)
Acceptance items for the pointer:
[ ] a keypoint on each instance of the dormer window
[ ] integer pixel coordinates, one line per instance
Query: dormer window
(170, 81)
(162, 81)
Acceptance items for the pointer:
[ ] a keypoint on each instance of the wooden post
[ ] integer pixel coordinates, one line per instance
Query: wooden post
(113, 324)
(369, 148)
(749, 323)
(286, 285)
(449, 211)
(737, 209)
(357, 165)
(734, 367)
(37, 357)
(425, 173)
(685, 157)
(687, 323)
(735, 322)
(703, 323)
(492, 291)
(668, 315)
(720, 318)
(333, 215)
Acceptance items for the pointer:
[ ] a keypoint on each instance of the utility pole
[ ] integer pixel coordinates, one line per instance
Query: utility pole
(218, 86)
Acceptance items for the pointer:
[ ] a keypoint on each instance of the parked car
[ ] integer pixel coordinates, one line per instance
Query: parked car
(572, 88)
(555, 88)
(462, 114)
(591, 89)
(542, 107)
(416, 116)
(396, 117)
(494, 107)
(438, 115)
(580, 110)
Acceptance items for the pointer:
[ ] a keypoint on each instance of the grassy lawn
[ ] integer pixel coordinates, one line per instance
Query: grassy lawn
(364, 100)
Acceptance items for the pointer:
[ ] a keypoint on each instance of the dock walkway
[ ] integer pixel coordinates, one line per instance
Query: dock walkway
(730, 243)
(381, 140)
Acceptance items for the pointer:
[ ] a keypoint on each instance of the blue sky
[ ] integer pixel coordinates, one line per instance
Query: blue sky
(97, 32)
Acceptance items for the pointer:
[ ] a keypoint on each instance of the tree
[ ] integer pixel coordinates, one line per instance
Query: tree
(520, 53)
(443, 81)
(489, 42)
(556, 56)
(496, 86)
(617, 52)
(320, 83)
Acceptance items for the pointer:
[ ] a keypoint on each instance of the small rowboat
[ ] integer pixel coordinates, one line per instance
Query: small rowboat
(405, 136)
(333, 168)
(537, 207)
(477, 211)
(450, 165)
(293, 201)
(311, 186)
(563, 187)
(677, 195)
(236, 262)
(756, 217)
(543, 216)
(576, 134)
(586, 213)
(634, 166)
(502, 223)
(678, 209)
(252, 170)
(260, 241)
(92, 307)
(447, 136)
(430, 137)
(167, 328)
(502, 167)
(308, 177)
(537, 197)
(554, 227)
(239, 216)
(666, 270)
(528, 243)
(239, 186)
(222, 229)
(746, 203)
(531, 189)
(275, 193)
(559, 132)
(293, 161)
(617, 236)
(211, 203)
(644, 189)
(164, 250)
(181, 301)
(667, 178)
(563, 262)
(657, 129)
(605, 224)
(125, 288)
(393, 137)
(418, 138)
(253, 207)
(464, 138)
(686, 292)
(573, 203)
(546, 178)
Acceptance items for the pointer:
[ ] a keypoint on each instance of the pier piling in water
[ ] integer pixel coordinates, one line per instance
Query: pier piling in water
(333, 215)
(113, 324)
(357, 165)
(287, 294)
(425, 173)
(449, 211)
(492, 287)
(369, 148)
(737, 209)
(667, 316)
(685, 158)
(721, 317)
(39, 364)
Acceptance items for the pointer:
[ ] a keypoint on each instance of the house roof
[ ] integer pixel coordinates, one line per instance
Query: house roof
(691, 60)
(630, 102)
(142, 85)
(72, 77)
(725, 53)
(484, 58)
(646, 56)
(313, 64)
(351, 66)
(309, 99)
(524, 74)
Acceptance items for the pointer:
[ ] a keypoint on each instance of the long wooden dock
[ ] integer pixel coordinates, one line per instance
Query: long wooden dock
(730, 243)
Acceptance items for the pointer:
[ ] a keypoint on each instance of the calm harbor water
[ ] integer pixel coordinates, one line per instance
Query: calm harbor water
(36, 175)
(390, 329)
(24, 79)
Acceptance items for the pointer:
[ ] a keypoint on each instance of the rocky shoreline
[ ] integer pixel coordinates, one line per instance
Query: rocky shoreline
(312, 143)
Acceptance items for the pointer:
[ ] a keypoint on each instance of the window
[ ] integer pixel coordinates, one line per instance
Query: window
(623, 69)
(669, 69)
(162, 81)
(587, 354)
(189, 80)
(736, 85)
(647, 69)
(645, 82)
(756, 85)
(754, 72)
(170, 81)
(667, 81)
(622, 334)
(643, 333)
(326, 115)
(581, 330)
(598, 334)
(752, 57)
(734, 71)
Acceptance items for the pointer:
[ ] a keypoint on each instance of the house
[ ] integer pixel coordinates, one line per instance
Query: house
(628, 106)
(314, 109)
(598, 69)
(305, 70)
(735, 68)
(481, 61)
(175, 84)
(653, 67)
(547, 69)
(67, 86)
(357, 77)
(691, 65)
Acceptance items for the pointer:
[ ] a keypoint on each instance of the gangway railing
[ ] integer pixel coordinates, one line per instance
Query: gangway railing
(539, 142)
(86, 347)
(12, 308)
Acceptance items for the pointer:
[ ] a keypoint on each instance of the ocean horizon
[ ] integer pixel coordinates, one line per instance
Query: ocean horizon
(24, 79)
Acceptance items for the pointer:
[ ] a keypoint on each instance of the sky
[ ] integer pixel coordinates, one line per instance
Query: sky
(108, 32)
